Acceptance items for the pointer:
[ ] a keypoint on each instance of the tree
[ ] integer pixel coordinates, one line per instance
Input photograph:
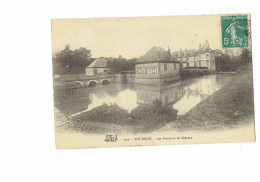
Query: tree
(246, 56)
(119, 64)
(71, 62)
(231, 62)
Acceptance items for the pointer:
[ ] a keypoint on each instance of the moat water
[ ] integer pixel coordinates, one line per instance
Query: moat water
(182, 95)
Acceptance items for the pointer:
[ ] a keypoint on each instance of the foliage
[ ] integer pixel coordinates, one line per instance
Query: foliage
(119, 64)
(229, 62)
(148, 116)
(104, 113)
(246, 55)
(68, 61)
(154, 113)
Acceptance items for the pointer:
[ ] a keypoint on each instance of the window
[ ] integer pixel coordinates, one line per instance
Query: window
(139, 71)
(165, 66)
(153, 71)
(188, 64)
(175, 66)
(199, 63)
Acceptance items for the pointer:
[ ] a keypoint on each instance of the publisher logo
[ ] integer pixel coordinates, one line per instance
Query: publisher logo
(111, 138)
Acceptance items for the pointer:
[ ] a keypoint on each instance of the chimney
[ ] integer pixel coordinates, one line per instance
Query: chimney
(207, 43)
(169, 53)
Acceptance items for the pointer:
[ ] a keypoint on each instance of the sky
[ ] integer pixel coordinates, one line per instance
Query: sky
(133, 37)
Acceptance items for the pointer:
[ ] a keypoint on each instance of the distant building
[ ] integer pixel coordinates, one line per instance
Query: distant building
(99, 66)
(203, 57)
(186, 57)
(156, 67)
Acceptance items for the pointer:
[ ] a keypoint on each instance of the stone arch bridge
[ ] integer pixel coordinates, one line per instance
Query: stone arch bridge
(85, 81)
(94, 81)
(91, 81)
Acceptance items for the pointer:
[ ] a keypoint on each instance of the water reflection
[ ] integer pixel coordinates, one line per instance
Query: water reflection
(131, 100)
(70, 101)
(182, 95)
(198, 89)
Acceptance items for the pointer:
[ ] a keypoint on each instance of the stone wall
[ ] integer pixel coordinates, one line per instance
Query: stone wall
(124, 78)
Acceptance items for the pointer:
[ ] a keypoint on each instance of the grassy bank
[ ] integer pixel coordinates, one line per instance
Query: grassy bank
(144, 118)
(229, 107)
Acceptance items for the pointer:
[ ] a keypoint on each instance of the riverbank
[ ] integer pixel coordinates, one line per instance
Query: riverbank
(231, 106)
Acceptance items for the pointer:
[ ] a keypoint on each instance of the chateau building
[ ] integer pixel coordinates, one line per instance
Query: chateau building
(204, 57)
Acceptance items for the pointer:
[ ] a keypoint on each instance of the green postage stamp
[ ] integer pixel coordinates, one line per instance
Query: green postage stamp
(234, 31)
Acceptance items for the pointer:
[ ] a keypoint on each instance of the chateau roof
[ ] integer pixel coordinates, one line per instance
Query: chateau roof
(98, 63)
(156, 54)
(191, 52)
(185, 53)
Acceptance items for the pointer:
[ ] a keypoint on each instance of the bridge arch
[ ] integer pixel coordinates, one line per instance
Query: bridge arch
(92, 83)
(78, 82)
(105, 82)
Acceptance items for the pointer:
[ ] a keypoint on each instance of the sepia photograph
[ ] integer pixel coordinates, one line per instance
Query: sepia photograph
(130, 91)
(152, 80)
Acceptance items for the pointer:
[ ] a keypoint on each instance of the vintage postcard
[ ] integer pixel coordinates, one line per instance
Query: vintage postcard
(152, 80)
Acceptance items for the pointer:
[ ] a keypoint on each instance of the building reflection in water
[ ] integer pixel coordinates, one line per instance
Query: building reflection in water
(181, 96)
(148, 96)
(166, 93)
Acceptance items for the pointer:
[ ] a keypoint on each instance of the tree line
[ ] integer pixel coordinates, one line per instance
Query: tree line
(230, 62)
(69, 61)
(120, 64)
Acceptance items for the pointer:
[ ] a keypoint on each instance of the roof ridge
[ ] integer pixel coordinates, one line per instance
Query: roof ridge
(98, 62)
